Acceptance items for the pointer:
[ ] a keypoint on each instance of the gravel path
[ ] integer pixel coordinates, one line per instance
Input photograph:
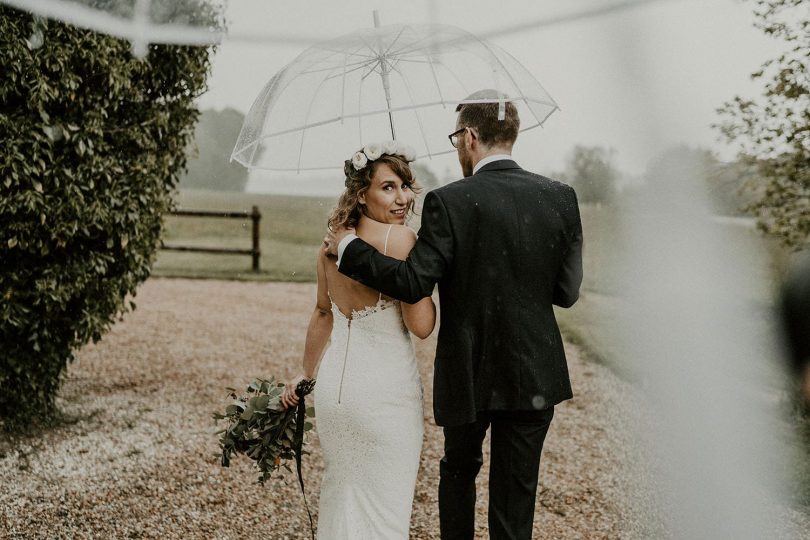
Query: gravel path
(139, 461)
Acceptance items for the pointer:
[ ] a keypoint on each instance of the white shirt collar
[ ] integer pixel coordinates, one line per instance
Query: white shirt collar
(489, 159)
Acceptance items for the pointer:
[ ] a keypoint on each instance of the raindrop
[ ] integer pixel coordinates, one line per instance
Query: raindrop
(539, 402)
(36, 40)
(139, 49)
(54, 133)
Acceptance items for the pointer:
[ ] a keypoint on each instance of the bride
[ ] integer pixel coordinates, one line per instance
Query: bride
(368, 397)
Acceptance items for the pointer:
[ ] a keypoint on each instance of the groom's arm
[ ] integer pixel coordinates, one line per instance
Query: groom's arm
(414, 278)
(569, 280)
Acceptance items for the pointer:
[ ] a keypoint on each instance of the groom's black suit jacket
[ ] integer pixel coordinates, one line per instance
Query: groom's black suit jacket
(504, 245)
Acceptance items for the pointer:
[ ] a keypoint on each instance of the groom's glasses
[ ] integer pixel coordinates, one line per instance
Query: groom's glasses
(454, 137)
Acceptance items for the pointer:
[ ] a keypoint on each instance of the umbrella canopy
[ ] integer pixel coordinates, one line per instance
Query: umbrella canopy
(186, 22)
(391, 82)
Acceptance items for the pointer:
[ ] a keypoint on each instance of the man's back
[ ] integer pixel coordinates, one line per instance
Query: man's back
(499, 345)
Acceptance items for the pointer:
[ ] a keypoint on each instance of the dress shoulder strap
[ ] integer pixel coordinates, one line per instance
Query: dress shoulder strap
(385, 252)
(387, 233)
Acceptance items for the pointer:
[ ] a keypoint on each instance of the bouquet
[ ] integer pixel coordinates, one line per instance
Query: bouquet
(260, 428)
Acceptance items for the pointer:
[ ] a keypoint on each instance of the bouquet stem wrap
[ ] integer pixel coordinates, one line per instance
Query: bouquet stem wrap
(304, 387)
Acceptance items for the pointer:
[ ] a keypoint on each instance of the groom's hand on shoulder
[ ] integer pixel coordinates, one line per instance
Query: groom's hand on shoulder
(333, 238)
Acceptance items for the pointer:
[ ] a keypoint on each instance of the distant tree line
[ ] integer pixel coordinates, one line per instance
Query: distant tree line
(590, 170)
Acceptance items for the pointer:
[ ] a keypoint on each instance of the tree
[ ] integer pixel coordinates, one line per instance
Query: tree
(210, 167)
(591, 173)
(773, 132)
(94, 141)
(726, 184)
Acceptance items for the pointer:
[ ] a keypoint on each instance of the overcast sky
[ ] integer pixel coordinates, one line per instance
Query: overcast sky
(635, 80)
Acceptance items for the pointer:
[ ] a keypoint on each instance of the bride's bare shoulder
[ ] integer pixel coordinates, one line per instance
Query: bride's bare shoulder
(400, 241)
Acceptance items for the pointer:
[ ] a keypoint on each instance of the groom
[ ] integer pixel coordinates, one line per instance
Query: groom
(504, 244)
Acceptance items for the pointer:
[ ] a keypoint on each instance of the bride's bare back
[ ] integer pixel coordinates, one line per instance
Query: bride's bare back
(349, 295)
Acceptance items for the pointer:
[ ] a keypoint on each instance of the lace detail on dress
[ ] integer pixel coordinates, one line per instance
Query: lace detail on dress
(381, 305)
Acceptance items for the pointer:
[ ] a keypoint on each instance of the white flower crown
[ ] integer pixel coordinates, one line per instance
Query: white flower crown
(373, 151)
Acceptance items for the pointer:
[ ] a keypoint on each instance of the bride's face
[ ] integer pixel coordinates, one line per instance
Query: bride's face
(388, 198)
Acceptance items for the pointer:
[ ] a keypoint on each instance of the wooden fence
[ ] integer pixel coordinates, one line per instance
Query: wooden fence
(254, 215)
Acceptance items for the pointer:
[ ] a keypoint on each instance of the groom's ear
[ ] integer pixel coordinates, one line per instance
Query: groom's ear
(473, 137)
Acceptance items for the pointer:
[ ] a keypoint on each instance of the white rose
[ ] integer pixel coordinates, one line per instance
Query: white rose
(408, 152)
(359, 160)
(390, 147)
(373, 151)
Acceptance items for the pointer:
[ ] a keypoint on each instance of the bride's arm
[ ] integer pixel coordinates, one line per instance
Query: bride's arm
(318, 332)
(420, 318)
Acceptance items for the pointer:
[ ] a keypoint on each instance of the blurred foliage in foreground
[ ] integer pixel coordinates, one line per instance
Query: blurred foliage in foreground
(773, 131)
(94, 141)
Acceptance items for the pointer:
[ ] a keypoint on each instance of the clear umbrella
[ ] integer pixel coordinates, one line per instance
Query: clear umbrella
(186, 22)
(401, 82)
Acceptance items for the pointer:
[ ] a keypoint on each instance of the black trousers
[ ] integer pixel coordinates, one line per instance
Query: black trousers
(516, 444)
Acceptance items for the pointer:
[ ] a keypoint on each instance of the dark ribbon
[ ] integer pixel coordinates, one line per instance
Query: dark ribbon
(304, 387)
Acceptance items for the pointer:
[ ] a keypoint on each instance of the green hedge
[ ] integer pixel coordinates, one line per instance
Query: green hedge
(93, 144)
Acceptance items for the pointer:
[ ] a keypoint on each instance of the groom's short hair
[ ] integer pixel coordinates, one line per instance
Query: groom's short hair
(484, 118)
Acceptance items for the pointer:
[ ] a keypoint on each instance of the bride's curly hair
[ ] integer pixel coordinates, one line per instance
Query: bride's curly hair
(348, 211)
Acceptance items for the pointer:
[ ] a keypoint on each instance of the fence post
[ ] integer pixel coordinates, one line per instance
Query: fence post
(256, 217)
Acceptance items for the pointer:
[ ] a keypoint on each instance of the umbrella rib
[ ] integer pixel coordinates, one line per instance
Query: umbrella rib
(306, 119)
(518, 97)
(416, 112)
(316, 62)
(343, 51)
(450, 43)
(370, 71)
(370, 48)
(360, 63)
(508, 74)
(343, 89)
(391, 45)
(359, 112)
(435, 78)
(460, 83)
(392, 109)
(409, 61)
(553, 103)
(381, 111)
(329, 77)
(412, 47)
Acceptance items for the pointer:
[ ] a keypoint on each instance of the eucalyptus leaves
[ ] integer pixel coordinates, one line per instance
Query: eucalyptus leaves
(259, 427)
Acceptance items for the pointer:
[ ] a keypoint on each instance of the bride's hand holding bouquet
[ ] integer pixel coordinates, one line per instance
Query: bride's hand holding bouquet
(289, 397)
(263, 428)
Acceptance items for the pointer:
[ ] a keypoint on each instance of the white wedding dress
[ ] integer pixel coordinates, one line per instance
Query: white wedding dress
(369, 418)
